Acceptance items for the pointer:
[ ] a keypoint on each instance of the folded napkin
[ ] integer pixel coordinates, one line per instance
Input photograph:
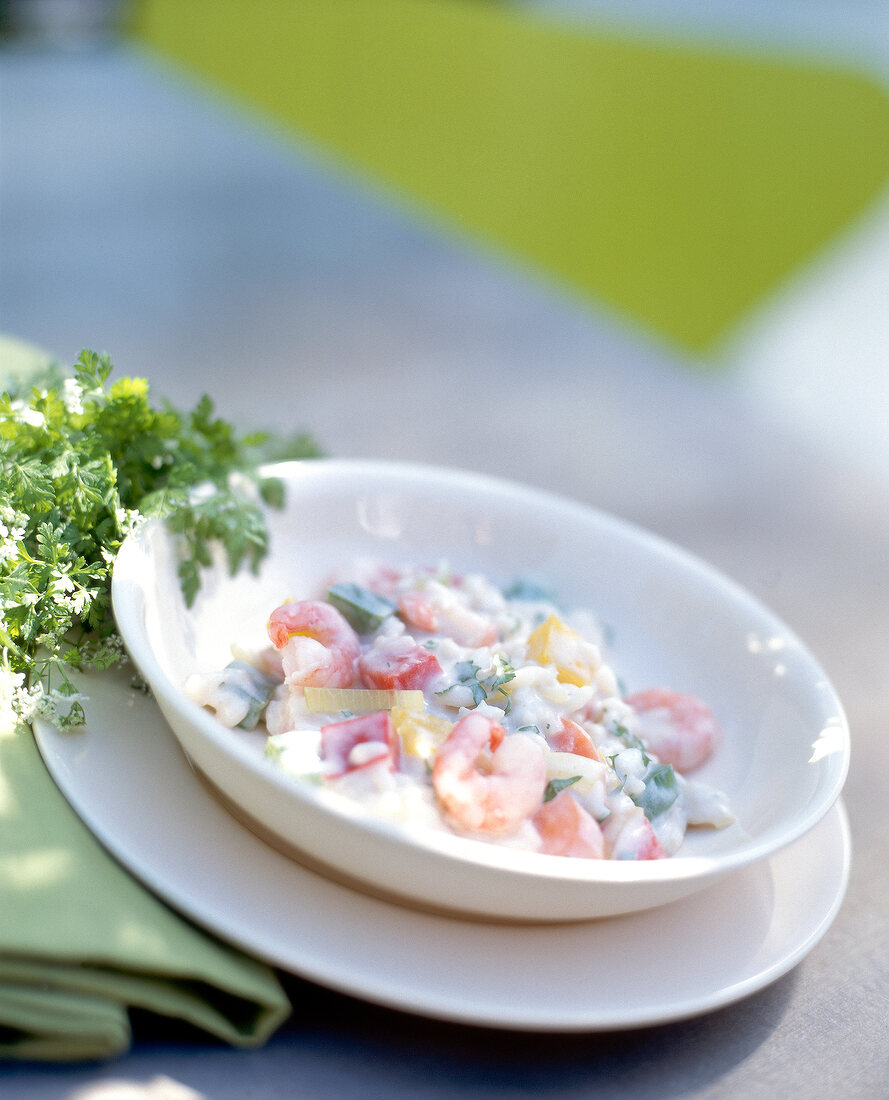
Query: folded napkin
(81, 942)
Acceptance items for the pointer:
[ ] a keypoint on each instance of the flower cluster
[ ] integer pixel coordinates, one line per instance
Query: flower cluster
(22, 702)
(12, 530)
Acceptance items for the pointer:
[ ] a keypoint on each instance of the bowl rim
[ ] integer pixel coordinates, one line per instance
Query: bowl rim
(128, 601)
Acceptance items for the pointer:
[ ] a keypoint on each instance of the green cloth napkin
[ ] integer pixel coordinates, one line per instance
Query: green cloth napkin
(81, 941)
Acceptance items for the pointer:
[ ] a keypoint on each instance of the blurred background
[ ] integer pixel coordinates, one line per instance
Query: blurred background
(684, 200)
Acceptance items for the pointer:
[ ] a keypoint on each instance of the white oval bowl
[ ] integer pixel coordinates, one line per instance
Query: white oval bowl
(672, 621)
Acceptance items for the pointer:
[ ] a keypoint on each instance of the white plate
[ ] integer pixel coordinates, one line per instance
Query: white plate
(675, 621)
(127, 779)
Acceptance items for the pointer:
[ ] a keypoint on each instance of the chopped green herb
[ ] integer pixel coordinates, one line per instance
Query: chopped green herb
(364, 610)
(661, 790)
(466, 670)
(631, 741)
(622, 774)
(467, 675)
(482, 688)
(556, 785)
(502, 674)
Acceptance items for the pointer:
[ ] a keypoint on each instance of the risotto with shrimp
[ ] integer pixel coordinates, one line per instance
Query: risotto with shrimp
(448, 703)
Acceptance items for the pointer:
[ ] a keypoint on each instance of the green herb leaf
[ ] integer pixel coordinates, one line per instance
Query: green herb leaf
(661, 790)
(466, 674)
(631, 741)
(363, 609)
(556, 785)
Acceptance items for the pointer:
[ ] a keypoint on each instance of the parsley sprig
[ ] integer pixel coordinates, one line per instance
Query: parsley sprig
(82, 462)
(483, 684)
(661, 787)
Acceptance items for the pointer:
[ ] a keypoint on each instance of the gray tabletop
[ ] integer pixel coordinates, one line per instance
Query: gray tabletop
(210, 253)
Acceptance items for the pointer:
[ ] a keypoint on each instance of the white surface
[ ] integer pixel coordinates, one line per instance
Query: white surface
(674, 622)
(814, 357)
(129, 782)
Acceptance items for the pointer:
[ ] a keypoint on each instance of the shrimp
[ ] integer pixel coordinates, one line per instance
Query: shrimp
(567, 829)
(679, 729)
(398, 663)
(629, 835)
(318, 646)
(418, 610)
(573, 738)
(486, 781)
(437, 610)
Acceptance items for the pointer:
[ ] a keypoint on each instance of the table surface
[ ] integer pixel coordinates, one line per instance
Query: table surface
(207, 251)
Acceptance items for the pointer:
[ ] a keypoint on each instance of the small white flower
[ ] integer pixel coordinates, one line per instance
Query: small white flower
(33, 417)
(25, 701)
(10, 698)
(128, 519)
(9, 681)
(72, 396)
(61, 709)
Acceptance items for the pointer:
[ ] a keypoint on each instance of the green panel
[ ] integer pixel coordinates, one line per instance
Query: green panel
(677, 185)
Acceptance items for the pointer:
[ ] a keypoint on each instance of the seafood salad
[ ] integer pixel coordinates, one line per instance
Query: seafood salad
(448, 703)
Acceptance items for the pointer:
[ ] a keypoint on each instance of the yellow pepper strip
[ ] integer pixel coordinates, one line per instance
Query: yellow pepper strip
(421, 734)
(555, 643)
(323, 700)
